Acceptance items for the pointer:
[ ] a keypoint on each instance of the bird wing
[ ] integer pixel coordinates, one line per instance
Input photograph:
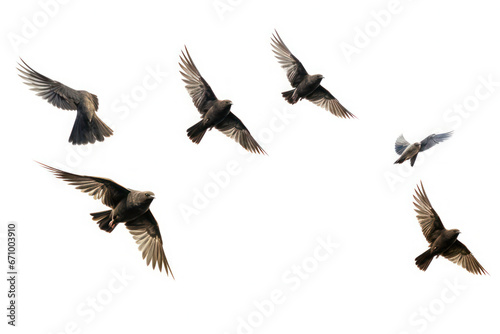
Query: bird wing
(427, 217)
(434, 139)
(54, 92)
(146, 233)
(197, 87)
(323, 98)
(401, 145)
(294, 69)
(108, 191)
(232, 127)
(460, 255)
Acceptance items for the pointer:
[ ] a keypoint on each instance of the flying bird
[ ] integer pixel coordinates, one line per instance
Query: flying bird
(441, 241)
(305, 86)
(87, 127)
(409, 151)
(214, 113)
(128, 206)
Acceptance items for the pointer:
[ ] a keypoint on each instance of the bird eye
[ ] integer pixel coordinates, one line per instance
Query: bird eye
(148, 195)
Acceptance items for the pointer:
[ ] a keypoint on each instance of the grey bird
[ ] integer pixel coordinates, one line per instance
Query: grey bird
(128, 206)
(87, 127)
(305, 86)
(214, 112)
(409, 151)
(441, 241)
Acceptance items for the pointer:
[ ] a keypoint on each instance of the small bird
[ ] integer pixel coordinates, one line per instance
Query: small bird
(409, 151)
(87, 127)
(128, 206)
(305, 85)
(441, 241)
(214, 113)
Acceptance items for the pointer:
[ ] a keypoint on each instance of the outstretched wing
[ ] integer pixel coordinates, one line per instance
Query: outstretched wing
(323, 98)
(294, 69)
(427, 217)
(54, 92)
(462, 256)
(232, 127)
(108, 191)
(146, 233)
(197, 87)
(401, 145)
(434, 139)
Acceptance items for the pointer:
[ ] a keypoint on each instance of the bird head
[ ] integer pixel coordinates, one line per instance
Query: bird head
(317, 77)
(227, 102)
(148, 195)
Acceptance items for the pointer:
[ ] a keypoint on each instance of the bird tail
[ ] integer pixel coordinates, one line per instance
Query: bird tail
(400, 160)
(424, 260)
(196, 132)
(85, 131)
(81, 134)
(100, 129)
(289, 96)
(103, 218)
(413, 159)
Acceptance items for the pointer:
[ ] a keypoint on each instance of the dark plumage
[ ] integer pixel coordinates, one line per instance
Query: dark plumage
(214, 113)
(87, 127)
(305, 86)
(409, 151)
(441, 241)
(127, 206)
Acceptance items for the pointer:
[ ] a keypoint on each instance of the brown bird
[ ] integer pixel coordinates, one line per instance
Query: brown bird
(87, 127)
(305, 86)
(128, 206)
(214, 113)
(441, 241)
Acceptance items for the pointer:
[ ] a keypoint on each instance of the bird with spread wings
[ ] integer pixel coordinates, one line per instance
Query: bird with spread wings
(214, 113)
(305, 86)
(409, 151)
(88, 127)
(441, 241)
(127, 206)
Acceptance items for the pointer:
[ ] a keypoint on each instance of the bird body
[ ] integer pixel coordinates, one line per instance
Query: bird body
(134, 205)
(128, 206)
(409, 151)
(217, 113)
(88, 127)
(306, 87)
(442, 242)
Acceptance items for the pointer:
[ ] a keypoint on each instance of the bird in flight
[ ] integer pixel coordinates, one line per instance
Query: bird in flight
(409, 151)
(305, 86)
(441, 241)
(87, 127)
(128, 206)
(214, 113)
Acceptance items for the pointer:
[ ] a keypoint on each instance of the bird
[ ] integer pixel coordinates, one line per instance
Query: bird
(128, 206)
(214, 112)
(409, 151)
(305, 86)
(441, 241)
(88, 127)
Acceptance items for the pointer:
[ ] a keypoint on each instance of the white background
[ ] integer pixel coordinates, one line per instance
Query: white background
(325, 177)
